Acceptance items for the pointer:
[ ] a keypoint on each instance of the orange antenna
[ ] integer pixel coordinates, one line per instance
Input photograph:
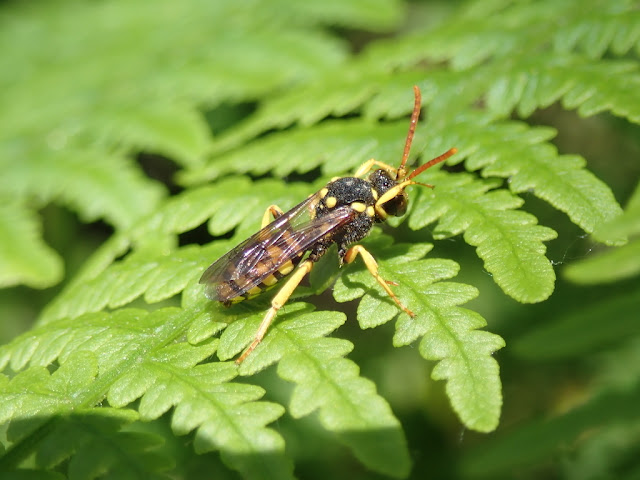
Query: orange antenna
(412, 130)
(431, 163)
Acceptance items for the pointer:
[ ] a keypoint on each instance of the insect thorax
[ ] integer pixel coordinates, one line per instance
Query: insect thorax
(348, 190)
(351, 192)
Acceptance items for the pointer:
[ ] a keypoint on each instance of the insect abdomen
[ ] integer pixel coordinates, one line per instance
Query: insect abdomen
(229, 292)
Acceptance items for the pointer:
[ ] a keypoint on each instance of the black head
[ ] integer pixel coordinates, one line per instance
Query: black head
(383, 182)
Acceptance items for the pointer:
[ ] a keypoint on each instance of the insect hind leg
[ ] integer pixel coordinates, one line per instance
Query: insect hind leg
(372, 266)
(276, 304)
(275, 211)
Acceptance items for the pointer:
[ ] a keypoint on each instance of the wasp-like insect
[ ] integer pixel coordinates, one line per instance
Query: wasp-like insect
(343, 212)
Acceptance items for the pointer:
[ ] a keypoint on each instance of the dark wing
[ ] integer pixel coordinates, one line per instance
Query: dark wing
(286, 238)
(245, 255)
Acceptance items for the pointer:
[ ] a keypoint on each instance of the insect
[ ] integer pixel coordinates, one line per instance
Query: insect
(343, 212)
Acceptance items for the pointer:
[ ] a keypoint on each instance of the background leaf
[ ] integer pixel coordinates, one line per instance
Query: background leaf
(141, 141)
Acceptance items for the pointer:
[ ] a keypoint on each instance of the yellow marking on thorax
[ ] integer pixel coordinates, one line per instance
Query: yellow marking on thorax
(370, 211)
(331, 202)
(323, 192)
(359, 207)
(374, 192)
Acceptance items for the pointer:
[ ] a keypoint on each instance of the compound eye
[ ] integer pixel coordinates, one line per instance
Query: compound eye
(397, 206)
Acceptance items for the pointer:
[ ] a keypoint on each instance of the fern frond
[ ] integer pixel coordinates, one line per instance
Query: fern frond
(580, 83)
(93, 96)
(619, 263)
(607, 267)
(131, 354)
(93, 437)
(347, 403)
(593, 31)
(37, 393)
(227, 416)
(448, 333)
(93, 184)
(85, 87)
(96, 443)
(506, 149)
(516, 152)
(24, 258)
(335, 146)
(160, 71)
(509, 241)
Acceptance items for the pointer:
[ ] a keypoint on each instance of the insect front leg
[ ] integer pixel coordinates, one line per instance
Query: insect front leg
(276, 304)
(274, 210)
(369, 164)
(372, 266)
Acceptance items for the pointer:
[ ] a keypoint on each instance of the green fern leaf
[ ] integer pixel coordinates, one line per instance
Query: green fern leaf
(336, 146)
(616, 264)
(24, 258)
(225, 415)
(509, 241)
(448, 332)
(516, 151)
(151, 76)
(607, 267)
(92, 183)
(93, 437)
(373, 15)
(116, 83)
(571, 78)
(158, 276)
(172, 130)
(136, 357)
(24, 474)
(593, 31)
(122, 454)
(325, 381)
(36, 393)
(627, 224)
(382, 95)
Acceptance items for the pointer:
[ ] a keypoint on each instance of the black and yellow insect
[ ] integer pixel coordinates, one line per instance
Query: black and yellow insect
(343, 213)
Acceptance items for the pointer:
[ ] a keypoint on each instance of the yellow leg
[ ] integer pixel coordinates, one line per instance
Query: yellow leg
(276, 304)
(273, 210)
(368, 165)
(372, 266)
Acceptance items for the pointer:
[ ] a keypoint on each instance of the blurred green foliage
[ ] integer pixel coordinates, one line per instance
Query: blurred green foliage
(127, 125)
